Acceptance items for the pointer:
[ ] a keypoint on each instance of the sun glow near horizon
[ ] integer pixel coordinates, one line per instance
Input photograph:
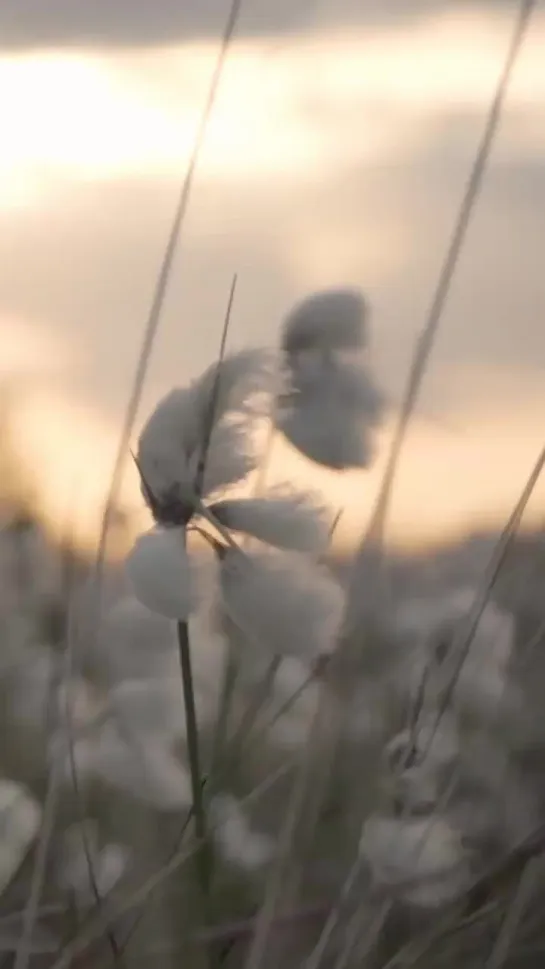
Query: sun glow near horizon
(91, 116)
(98, 115)
(448, 483)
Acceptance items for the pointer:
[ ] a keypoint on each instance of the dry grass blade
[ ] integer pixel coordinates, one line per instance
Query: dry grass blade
(30, 915)
(426, 339)
(137, 897)
(464, 641)
(316, 957)
(163, 277)
(193, 752)
(201, 468)
(60, 679)
(508, 931)
(353, 941)
(282, 880)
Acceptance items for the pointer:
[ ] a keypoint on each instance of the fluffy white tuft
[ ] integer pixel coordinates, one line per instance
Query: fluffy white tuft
(435, 747)
(281, 602)
(152, 707)
(320, 432)
(237, 384)
(347, 384)
(231, 455)
(331, 411)
(145, 769)
(80, 847)
(160, 572)
(238, 843)
(21, 817)
(333, 319)
(134, 643)
(431, 627)
(38, 688)
(420, 857)
(212, 421)
(285, 519)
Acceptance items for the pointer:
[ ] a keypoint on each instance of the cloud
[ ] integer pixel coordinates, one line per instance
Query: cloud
(348, 174)
(79, 23)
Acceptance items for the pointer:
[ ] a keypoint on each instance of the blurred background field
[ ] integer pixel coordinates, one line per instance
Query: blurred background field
(337, 153)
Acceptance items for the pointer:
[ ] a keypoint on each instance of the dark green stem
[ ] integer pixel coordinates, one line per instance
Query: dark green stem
(221, 731)
(199, 813)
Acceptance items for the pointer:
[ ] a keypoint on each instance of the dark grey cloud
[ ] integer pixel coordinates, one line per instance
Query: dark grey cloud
(43, 23)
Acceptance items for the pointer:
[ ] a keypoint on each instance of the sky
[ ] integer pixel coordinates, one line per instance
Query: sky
(337, 153)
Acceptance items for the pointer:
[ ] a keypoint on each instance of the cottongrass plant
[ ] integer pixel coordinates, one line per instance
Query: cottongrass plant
(196, 819)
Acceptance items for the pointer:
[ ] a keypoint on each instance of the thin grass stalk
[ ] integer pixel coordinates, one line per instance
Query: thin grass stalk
(361, 937)
(326, 742)
(230, 667)
(154, 316)
(281, 879)
(463, 642)
(70, 731)
(530, 647)
(508, 931)
(137, 897)
(193, 755)
(354, 945)
(316, 957)
(112, 941)
(425, 341)
(53, 790)
(530, 848)
(456, 243)
(212, 404)
(221, 727)
(249, 741)
(24, 946)
(265, 463)
(284, 707)
(255, 706)
(175, 851)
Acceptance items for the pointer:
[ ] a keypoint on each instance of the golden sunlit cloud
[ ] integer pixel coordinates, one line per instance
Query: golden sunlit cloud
(29, 351)
(134, 112)
(66, 451)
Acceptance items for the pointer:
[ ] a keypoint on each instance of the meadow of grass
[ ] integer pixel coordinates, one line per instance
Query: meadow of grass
(233, 750)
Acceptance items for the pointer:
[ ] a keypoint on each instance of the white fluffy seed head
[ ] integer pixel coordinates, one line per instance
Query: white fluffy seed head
(281, 603)
(135, 643)
(143, 768)
(421, 858)
(331, 411)
(37, 686)
(282, 518)
(237, 842)
(80, 849)
(432, 627)
(332, 319)
(322, 433)
(238, 384)
(21, 817)
(151, 707)
(348, 385)
(160, 573)
(434, 748)
(199, 438)
(436, 741)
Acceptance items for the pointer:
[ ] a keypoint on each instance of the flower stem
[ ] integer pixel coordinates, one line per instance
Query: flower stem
(221, 730)
(199, 813)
